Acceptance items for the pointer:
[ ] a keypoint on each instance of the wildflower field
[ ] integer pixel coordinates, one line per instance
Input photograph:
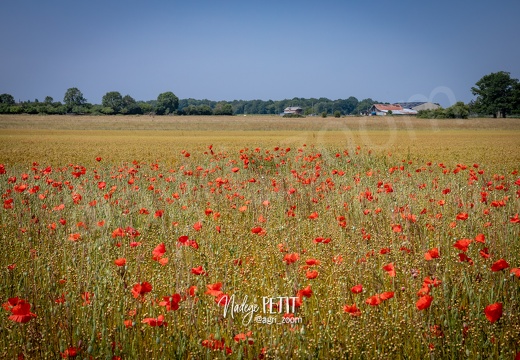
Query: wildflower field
(259, 238)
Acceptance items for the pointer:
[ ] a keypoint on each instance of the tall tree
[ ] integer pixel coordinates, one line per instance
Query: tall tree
(496, 94)
(73, 97)
(7, 99)
(167, 103)
(114, 100)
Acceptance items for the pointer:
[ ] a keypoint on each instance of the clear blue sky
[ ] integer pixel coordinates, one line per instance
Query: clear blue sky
(227, 49)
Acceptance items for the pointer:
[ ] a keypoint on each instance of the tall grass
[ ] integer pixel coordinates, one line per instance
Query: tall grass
(247, 209)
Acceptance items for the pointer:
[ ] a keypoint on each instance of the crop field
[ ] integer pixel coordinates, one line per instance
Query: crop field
(259, 237)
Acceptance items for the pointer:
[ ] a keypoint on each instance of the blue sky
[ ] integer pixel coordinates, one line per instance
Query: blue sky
(225, 49)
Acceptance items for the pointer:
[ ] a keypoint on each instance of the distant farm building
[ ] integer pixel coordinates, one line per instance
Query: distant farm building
(293, 110)
(404, 108)
(384, 109)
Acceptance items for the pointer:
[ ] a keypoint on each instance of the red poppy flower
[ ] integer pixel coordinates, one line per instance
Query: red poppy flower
(158, 321)
(171, 302)
(120, 261)
(198, 270)
(499, 265)
(312, 274)
(244, 337)
(493, 312)
(389, 268)
(373, 300)
(87, 298)
(397, 228)
(431, 282)
(516, 272)
(20, 310)
(74, 237)
(119, 232)
(312, 262)
(291, 258)
(192, 290)
(306, 292)
(70, 353)
(141, 289)
(515, 219)
(159, 251)
(462, 216)
(258, 230)
(424, 302)
(480, 238)
(484, 253)
(352, 310)
(357, 289)
(338, 259)
(313, 216)
(197, 226)
(215, 344)
(131, 232)
(222, 299)
(386, 295)
(214, 289)
(159, 213)
(462, 244)
(431, 254)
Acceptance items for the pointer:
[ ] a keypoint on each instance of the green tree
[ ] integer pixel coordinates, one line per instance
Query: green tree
(337, 114)
(130, 106)
(496, 94)
(74, 99)
(364, 106)
(48, 100)
(7, 99)
(167, 103)
(223, 108)
(113, 100)
(459, 110)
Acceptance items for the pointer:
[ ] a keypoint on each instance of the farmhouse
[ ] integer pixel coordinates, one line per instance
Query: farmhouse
(383, 109)
(293, 110)
(402, 108)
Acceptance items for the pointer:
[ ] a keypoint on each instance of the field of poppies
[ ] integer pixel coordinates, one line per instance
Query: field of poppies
(264, 251)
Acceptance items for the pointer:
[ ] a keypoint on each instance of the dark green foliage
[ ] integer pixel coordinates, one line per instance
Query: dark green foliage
(223, 108)
(73, 99)
(112, 100)
(7, 99)
(497, 94)
(167, 103)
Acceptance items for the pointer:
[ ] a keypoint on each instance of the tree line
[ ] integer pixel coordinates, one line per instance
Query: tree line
(497, 95)
(113, 103)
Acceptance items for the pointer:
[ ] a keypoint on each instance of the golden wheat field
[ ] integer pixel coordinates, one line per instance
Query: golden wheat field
(79, 139)
(259, 237)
